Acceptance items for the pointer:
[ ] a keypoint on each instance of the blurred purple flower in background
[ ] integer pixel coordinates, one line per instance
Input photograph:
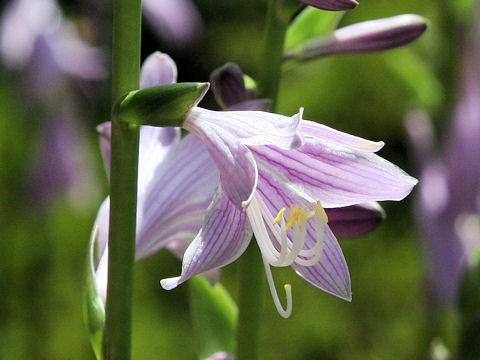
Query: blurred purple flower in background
(177, 22)
(448, 203)
(37, 40)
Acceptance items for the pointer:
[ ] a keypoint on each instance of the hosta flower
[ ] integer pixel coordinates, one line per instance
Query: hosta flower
(231, 91)
(277, 175)
(176, 182)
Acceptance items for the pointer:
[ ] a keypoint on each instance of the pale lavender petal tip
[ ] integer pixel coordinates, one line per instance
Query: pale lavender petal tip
(158, 69)
(224, 237)
(331, 273)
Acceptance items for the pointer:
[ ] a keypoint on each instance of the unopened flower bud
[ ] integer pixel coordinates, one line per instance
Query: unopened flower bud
(364, 37)
(158, 69)
(356, 220)
(228, 86)
(332, 5)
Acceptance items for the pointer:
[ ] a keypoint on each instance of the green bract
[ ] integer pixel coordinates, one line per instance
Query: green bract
(162, 105)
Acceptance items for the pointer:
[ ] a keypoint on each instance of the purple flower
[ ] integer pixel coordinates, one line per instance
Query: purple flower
(228, 84)
(176, 182)
(364, 37)
(34, 35)
(269, 163)
(333, 5)
(448, 205)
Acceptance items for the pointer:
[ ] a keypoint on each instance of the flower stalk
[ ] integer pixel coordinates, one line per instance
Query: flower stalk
(123, 183)
(276, 24)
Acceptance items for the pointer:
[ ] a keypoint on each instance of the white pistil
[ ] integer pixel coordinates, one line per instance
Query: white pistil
(288, 292)
(265, 226)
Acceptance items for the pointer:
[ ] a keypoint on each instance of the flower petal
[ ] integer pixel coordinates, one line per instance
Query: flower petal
(101, 224)
(331, 272)
(177, 198)
(312, 130)
(158, 69)
(155, 143)
(224, 236)
(238, 171)
(334, 174)
(251, 127)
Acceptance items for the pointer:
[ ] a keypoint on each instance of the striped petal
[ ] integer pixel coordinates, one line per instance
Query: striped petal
(330, 273)
(251, 127)
(334, 174)
(312, 130)
(225, 235)
(177, 198)
(238, 171)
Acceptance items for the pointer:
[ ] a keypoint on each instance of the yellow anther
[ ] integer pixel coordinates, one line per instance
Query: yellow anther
(320, 211)
(279, 216)
(292, 216)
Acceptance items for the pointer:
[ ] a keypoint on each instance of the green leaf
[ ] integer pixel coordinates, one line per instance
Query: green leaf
(93, 307)
(309, 24)
(162, 105)
(214, 316)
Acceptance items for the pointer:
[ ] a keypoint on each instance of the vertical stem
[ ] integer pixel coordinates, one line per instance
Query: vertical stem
(250, 303)
(250, 266)
(123, 184)
(272, 52)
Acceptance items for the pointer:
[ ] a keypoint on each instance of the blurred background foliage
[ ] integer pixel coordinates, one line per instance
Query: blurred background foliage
(44, 241)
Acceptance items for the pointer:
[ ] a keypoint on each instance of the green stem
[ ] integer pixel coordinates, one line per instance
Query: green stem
(250, 266)
(250, 303)
(272, 53)
(123, 184)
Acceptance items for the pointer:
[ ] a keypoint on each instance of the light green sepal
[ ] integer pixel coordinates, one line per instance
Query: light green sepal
(93, 306)
(309, 24)
(162, 105)
(214, 315)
